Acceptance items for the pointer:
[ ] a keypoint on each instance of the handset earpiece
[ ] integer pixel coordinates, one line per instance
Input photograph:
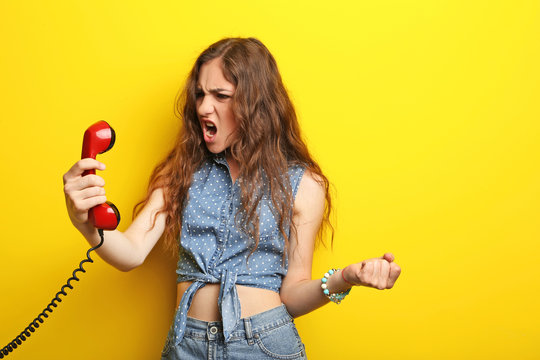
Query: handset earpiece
(99, 138)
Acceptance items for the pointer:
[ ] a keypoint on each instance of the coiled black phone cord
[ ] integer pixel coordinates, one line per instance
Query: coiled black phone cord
(27, 332)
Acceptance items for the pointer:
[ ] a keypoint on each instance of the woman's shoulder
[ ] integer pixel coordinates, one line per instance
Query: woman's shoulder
(302, 178)
(310, 198)
(312, 181)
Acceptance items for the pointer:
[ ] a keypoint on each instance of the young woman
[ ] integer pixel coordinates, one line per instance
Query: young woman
(245, 201)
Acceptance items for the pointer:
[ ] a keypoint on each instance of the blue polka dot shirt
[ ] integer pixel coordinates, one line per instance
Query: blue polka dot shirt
(214, 250)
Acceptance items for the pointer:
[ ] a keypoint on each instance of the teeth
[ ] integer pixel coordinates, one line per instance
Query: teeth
(210, 129)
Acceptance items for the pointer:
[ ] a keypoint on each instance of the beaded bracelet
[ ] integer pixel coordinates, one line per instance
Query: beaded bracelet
(336, 297)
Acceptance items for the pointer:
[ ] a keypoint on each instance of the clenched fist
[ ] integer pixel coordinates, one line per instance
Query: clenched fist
(380, 273)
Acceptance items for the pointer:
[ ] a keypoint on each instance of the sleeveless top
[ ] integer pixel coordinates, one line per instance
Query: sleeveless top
(214, 250)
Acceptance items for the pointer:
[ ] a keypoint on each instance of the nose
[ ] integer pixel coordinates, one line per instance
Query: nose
(205, 106)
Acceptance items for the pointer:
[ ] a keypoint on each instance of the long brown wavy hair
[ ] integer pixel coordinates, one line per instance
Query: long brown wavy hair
(267, 142)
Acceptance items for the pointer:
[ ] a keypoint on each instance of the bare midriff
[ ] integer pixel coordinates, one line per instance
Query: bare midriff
(205, 301)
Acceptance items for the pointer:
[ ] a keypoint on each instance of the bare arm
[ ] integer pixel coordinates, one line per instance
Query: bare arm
(126, 250)
(299, 292)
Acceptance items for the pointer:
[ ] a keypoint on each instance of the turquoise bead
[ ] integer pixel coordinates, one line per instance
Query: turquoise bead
(324, 280)
(330, 272)
(326, 292)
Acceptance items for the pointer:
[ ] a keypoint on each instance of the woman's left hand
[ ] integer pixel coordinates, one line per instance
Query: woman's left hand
(380, 273)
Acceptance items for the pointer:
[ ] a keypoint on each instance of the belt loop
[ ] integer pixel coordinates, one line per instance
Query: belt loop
(247, 327)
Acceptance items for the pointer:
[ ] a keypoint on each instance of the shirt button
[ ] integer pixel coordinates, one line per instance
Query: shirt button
(213, 330)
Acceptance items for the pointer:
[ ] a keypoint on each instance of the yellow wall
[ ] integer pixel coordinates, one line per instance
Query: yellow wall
(424, 114)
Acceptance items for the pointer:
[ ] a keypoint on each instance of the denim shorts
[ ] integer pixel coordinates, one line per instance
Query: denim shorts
(268, 335)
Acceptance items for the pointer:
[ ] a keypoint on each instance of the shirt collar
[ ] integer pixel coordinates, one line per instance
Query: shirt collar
(220, 158)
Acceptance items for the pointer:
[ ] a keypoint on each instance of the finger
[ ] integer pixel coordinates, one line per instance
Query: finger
(91, 192)
(90, 163)
(395, 271)
(74, 186)
(376, 273)
(85, 187)
(80, 166)
(85, 205)
(385, 272)
(388, 257)
(88, 181)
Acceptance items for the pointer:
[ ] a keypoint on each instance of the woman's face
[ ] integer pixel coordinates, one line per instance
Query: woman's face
(214, 107)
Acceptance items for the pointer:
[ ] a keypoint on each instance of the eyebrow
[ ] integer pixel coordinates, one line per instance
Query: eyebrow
(215, 90)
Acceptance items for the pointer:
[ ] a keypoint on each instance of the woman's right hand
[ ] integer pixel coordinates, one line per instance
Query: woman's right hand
(83, 192)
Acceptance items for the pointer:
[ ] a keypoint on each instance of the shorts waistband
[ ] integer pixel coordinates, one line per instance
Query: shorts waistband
(247, 328)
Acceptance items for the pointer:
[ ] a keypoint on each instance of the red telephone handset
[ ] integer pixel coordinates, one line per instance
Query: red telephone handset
(98, 139)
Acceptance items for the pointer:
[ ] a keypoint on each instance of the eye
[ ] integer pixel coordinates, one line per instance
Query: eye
(199, 94)
(222, 96)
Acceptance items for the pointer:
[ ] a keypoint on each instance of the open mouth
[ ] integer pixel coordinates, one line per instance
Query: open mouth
(209, 129)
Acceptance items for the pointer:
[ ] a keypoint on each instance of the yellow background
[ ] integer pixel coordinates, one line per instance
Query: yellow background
(424, 115)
